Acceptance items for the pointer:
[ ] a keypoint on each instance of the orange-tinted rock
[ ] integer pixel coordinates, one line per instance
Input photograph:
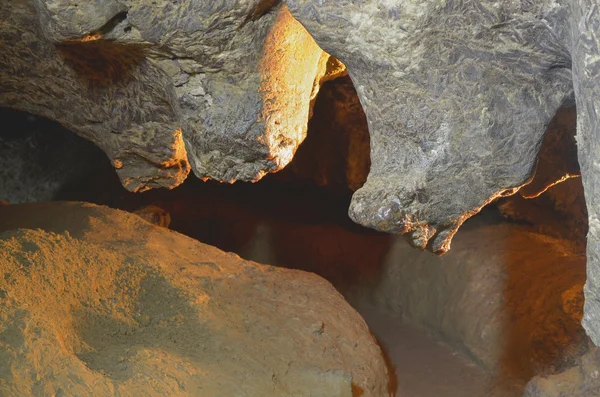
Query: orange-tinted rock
(97, 301)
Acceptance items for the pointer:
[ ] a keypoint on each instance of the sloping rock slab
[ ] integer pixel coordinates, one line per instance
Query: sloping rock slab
(507, 296)
(98, 302)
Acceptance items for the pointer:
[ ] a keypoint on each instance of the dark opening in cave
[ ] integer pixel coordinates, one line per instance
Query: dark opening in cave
(503, 306)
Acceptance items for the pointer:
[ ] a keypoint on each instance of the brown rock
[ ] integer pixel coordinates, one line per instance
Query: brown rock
(97, 302)
(509, 297)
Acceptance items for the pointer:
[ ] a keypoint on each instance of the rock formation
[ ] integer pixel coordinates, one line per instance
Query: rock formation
(585, 21)
(507, 296)
(457, 95)
(232, 80)
(99, 302)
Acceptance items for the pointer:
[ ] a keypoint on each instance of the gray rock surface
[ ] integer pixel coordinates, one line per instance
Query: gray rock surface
(585, 32)
(98, 302)
(457, 94)
(457, 97)
(106, 93)
(234, 80)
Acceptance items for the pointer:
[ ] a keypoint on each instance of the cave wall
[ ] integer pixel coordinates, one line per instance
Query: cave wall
(457, 95)
(585, 21)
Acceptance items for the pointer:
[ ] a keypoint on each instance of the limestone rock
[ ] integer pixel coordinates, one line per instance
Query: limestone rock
(557, 160)
(227, 87)
(457, 96)
(97, 302)
(586, 77)
(554, 201)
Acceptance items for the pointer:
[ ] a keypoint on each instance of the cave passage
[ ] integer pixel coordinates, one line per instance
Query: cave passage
(505, 305)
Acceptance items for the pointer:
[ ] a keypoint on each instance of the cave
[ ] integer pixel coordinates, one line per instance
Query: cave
(298, 198)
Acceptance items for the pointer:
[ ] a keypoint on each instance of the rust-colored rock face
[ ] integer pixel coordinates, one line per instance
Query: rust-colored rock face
(97, 301)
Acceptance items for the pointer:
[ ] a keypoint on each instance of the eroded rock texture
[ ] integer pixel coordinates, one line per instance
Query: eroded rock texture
(457, 94)
(234, 80)
(457, 97)
(585, 24)
(99, 302)
(557, 160)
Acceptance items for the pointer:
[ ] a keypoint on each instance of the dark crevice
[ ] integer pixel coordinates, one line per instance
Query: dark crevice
(261, 9)
(112, 23)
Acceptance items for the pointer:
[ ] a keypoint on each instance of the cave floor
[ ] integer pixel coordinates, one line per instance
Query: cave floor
(424, 367)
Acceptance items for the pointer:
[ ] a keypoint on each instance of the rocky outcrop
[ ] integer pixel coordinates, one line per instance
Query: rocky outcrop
(97, 302)
(457, 97)
(225, 87)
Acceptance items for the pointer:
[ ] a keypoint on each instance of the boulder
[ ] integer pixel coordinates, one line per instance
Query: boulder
(99, 302)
